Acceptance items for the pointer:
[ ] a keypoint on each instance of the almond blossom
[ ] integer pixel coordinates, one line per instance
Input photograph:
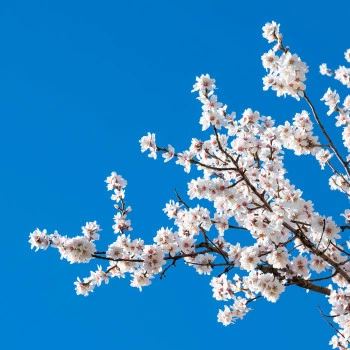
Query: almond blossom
(241, 185)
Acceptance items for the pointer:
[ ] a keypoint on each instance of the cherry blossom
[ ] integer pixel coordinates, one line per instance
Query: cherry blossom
(240, 182)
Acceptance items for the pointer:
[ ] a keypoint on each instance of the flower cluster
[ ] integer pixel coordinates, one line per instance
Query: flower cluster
(286, 72)
(75, 250)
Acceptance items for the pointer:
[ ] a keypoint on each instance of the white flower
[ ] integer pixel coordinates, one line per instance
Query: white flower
(153, 258)
(346, 215)
(185, 160)
(115, 270)
(270, 287)
(299, 266)
(234, 253)
(225, 316)
(221, 223)
(269, 60)
(171, 209)
(204, 83)
(346, 103)
(166, 239)
(249, 258)
(323, 156)
(149, 143)
(286, 73)
(278, 258)
(169, 155)
(222, 288)
(115, 181)
(271, 31)
(39, 240)
(347, 55)
(115, 251)
(331, 99)
(202, 263)
(99, 276)
(83, 288)
(343, 75)
(186, 244)
(90, 231)
(121, 223)
(78, 250)
(317, 264)
(140, 279)
(324, 70)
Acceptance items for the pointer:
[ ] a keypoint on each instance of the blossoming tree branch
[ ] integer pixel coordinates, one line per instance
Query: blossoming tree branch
(243, 179)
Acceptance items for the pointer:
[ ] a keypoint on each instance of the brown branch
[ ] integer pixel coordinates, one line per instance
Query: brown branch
(323, 229)
(237, 227)
(300, 222)
(180, 199)
(308, 244)
(192, 161)
(295, 280)
(325, 318)
(334, 149)
(324, 278)
(167, 268)
(341, 250)
(335, 171)
(344, 227)
(116, 260)
(300, 282)
(253, 299)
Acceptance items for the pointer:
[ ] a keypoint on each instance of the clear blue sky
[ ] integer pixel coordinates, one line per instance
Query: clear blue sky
(80, 83)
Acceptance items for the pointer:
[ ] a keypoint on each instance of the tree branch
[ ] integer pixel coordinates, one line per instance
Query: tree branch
(334, 149)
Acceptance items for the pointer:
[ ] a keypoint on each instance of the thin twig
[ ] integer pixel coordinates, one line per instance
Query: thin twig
(325, 318)
(334, 149)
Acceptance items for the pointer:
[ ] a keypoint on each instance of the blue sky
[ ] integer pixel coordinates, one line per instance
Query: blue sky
(81, 83)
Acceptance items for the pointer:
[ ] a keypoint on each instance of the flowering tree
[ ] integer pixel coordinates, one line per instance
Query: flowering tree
(243, 177)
